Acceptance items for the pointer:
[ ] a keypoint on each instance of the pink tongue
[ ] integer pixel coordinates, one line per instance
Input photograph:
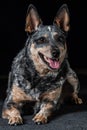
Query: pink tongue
(54, 64)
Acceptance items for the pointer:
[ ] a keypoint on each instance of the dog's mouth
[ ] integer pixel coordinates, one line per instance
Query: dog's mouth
(51, 63)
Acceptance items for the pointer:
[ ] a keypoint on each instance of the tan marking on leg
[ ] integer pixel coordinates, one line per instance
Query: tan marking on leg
(76, 99)
(13, 115)
(74, 82)
(43, 114)
(40, 118)
(53, 95)
(19, 95)
(46, 109)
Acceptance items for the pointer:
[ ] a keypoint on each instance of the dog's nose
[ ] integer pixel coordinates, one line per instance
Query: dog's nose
(55, 53)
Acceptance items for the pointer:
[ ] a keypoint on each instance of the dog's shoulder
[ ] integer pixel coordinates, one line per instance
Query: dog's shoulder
(19, 57)
(19, 61)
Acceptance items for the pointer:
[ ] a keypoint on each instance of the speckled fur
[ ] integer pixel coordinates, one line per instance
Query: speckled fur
(31, 80)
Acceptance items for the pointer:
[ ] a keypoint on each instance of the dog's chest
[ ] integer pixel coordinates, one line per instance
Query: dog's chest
(48, 82)
(45, 84)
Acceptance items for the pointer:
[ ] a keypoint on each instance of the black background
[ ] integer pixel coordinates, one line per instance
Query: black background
(13, 36)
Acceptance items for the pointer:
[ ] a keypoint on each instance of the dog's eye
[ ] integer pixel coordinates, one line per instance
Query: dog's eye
(41, 40)
(60, 39)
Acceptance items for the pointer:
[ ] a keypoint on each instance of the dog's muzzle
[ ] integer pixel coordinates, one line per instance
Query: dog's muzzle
(55, 53)
(53, 62)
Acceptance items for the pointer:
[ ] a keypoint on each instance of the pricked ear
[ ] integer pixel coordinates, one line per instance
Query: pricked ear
(32, 19)
(62, 18)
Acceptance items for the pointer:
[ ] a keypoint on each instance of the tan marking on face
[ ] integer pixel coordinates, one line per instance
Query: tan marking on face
(19, 95)
(63, 51)
(40, 66)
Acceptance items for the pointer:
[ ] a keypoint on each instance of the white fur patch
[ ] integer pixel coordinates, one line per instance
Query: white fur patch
(49, 28)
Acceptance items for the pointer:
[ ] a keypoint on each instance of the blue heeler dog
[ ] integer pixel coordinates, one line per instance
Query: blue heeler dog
(41, 69)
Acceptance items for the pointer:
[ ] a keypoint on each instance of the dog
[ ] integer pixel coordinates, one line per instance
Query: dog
(41, 69)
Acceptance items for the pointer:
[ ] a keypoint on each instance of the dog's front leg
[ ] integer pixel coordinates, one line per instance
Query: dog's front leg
(13, 115)
(50, 101)
(45, 111)
(73, 80)
(16, 96)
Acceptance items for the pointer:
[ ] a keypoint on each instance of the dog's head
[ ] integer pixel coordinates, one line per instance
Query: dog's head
(47, 44)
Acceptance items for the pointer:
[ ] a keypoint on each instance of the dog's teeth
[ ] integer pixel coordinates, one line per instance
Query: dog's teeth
(45, 58)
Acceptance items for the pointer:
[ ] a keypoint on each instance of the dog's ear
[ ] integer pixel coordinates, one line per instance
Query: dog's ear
(62, 18)
(32, 19)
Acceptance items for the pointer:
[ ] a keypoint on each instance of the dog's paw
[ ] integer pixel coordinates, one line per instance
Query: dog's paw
(78, 101)
(15, 120)
(40, 118)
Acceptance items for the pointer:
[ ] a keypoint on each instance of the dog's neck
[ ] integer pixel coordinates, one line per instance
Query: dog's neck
(47, 72)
